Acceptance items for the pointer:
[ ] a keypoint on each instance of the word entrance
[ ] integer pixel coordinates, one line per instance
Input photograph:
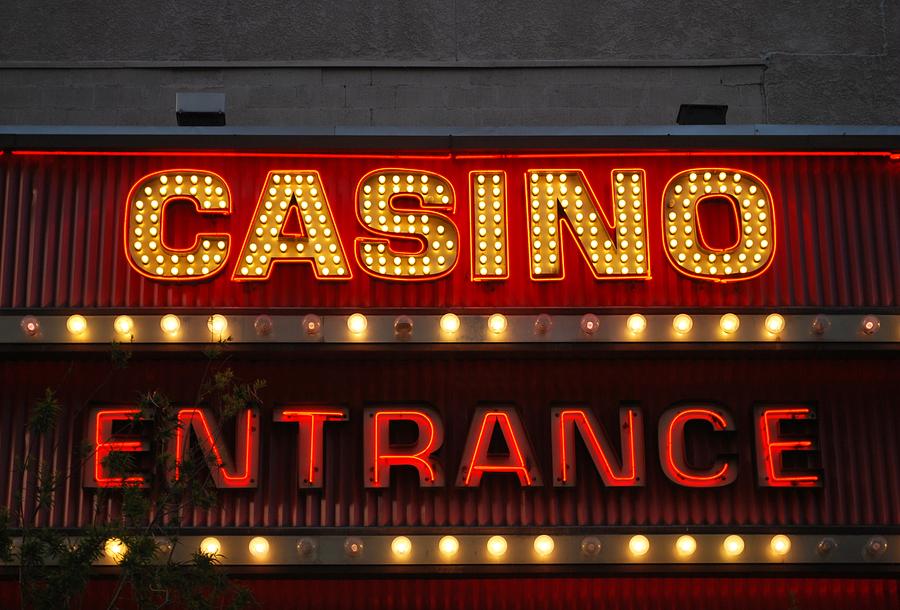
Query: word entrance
(785, 442)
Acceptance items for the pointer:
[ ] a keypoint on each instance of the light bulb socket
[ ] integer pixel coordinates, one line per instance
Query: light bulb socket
(497, 546)
(639, 545)
(729, 323)
(682, 323)
(820, 325)
(590, 324)
(123, 325)
(210, 546)
(686, 545)
(312, 324)
(826, 547)
(780, 544)
(30, 326)
(449, 323)
(357, 324)
(869, 325)
(876, 547)
(591, 546)
(542, 324)
(170, 324)
(497, 323)
(263, 325)
(217, 325)
(403, 327)
(448, 546)
(306, 548)
(76, 324)
(775, 324)
(734, 545)
(353, 546)
(259, 547)
(636, 323)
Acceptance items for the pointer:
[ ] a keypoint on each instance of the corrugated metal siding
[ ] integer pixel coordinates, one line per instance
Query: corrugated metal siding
(855, 395)
(635, 593)
(838, 232)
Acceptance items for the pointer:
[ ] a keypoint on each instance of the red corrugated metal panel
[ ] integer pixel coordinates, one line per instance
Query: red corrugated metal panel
(635, 593)
(855, 395)
(838, 234)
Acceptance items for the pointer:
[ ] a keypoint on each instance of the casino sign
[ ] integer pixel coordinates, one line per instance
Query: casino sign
(518, 358)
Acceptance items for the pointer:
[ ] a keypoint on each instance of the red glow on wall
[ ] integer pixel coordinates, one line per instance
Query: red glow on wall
(496, 443)
(310, 441)
(381, 454)
(627, 471)
(773, 444)
(594, 592)
(673, 450)
(477, 459)
(722, 213)
(854, 425)
(82, 266)
(106, 442)
(226, 472)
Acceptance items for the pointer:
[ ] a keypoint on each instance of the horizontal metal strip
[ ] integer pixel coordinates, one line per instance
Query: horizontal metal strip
(386, 64)
(883, 138)
(538, 548)
(358, 328)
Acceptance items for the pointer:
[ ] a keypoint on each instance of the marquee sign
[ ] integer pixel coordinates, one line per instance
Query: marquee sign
(574, 356)
(412, 237)
(542, 229)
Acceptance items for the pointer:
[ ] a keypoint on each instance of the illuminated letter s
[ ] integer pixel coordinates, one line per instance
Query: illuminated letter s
(433, 235)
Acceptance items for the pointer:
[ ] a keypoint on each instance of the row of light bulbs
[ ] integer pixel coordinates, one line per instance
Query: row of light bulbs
(450, 324)
(124, 325)
(496, 547)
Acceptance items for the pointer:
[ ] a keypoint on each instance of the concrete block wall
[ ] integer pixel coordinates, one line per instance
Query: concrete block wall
(452, 63)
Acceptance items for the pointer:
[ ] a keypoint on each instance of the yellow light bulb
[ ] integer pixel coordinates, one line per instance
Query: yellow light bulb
(401, 546)
(497, 323)
(496, 546)
(639, 545)
(210, 546)
(357, 323)
(636, 323)
(170, 324)
(682, 323)
(259, 547)
(449, 323)
(774, 323)
(124, 325)
(729, 323)
(448, 546)
(76, 324)
(733, 545)
(686, 545)
(544, 545)
(781, 544)
(217, 324)
(115, 549)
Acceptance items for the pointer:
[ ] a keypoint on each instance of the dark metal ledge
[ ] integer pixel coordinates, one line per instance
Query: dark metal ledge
(875, 138)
